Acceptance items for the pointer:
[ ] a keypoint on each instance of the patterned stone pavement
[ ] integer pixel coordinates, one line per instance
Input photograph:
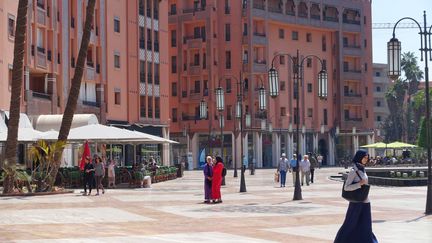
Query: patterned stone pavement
(173, 212)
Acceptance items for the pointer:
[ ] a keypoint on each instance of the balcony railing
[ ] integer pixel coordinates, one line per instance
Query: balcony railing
(351, 70)
(41, 95)
(40, 16)
(259, 34)
(91, 103)
(259, 5)
(351, 21)
(352, 95)
(275, 9)
(356, 119)
(192, 10)
(351, 46)
(331, 19)
(315, 16)
(227, 10)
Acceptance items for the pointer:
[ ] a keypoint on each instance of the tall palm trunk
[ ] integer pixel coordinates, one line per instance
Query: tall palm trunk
(75, 86)
(9, 165)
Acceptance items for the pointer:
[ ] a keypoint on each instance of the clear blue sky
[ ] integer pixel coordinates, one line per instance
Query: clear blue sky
(390, 11)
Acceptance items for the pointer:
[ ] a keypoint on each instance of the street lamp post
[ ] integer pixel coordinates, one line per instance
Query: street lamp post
(274, 91)
(394, 62)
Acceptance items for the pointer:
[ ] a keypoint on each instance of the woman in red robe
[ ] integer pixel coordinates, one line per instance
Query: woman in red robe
(217, 180)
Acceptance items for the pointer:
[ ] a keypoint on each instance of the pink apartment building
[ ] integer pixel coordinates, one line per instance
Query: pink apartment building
(216, 43)
(112, 85)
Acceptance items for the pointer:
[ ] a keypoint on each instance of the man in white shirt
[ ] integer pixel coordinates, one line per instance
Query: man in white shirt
(305, 169)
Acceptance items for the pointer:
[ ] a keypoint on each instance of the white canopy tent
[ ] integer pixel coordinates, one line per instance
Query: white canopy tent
(26, 133)
(53, 122)
(102, 133)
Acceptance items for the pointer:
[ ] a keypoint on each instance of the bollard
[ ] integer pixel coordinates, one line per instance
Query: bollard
(421, 174)
(405, 175)
(398, 174)
(414, 173)
(392, 174)
(252, 169)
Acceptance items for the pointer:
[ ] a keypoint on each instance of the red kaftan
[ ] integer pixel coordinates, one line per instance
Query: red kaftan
(217, 181)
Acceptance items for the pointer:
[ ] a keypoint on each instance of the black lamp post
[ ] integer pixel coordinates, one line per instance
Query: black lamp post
(322, 93)
(394, 65)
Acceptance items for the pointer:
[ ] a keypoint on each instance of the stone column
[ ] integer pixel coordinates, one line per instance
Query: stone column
(290, 145)
(166, 147)
(332, 151)
(51, 84)
(258, 149)
(276, 148)
(315, 142)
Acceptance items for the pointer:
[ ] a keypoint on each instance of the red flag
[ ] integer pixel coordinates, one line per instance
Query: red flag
(86, 153)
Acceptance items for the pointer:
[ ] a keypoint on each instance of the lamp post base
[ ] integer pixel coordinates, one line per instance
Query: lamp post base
(242, 180)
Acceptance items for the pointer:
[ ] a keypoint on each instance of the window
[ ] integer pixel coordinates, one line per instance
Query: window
(157, 107)
(366, 91)
(117, 24)
(365, 43)
(203, 33)
(378, 103)
(11, 26)
(229, 112)
(364, 19)
(309, 88)
(149, 73)
(378, 89)
(173, 9)
(117, 97)
(174, 64)
(116, 60)
(143, 106)
(281, 34)
(150, 107)
(142, 71)
(41, 4)
(282, 85)
(294, 35)
(367, 114)
(156, 41)
(227, 32)
(174, 89)
(245, 29)
(174, 114)
(309, 112)
(197, 87)
(141, 38)
(324, 43)
(282, 60)
(283, 111)
(308, 37)
(309, 62)
(196, 59)
(245, 57)
(156, 74)
(197, 32)
(204, 62)
(228, 85)
(324, 63)
(346, 115)
(377, 74)
(365, 67)
(173, 38)
(228, 59)
(378, 118)
(325, 116)
(295, 115)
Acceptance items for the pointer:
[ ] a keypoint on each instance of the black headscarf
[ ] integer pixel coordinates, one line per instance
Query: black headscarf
(360, 154)
(219, 160)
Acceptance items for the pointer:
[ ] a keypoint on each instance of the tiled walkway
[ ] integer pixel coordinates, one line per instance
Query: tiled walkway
(173, 212)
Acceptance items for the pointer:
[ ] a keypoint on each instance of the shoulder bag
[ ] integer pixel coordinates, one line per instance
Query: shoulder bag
(359, 195)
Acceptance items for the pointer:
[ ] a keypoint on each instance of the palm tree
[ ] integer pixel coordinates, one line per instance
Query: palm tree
(9, 165)
(75, 86)
(413, 75)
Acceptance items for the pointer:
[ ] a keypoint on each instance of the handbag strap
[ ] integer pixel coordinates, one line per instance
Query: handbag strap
(358, 174)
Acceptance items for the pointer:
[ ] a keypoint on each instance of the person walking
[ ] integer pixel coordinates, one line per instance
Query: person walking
(111, 174)
(88, 176)
(282, 169)
(208, 174)
(293, 168)
(217, 180)
(357, 227)
(305, 169)
(99, 169)
(314, 164)
(320, 159)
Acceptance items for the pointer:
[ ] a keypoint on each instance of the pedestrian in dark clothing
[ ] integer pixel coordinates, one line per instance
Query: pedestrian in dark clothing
(99, 174)
(208, 174)
(88, 176)
(314, 164)
(357, 227)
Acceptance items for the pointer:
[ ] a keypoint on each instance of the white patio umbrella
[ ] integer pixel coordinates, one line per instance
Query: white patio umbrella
(24, 135)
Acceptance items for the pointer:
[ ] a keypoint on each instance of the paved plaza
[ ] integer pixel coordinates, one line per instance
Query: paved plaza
(173, 212)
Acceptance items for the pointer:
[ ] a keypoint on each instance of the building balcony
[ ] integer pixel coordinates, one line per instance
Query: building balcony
(193, 95)
(38, 95)
(351, 122)
(352, 50)
(260, 66)
(275, 9)
(91, 103)
(259, 5)
(355, 99)
(352, 74)
(193, 42)
(189, 117)
(351, 21)
(315, 16)
(41, 59)
(192, 10)
(259, 39)
(90, 73)
(194, 69)
(41, 16)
